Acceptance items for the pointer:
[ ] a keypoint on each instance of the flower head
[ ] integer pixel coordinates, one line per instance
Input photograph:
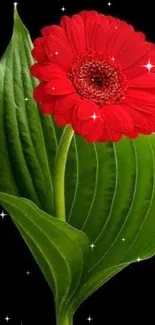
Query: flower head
(97, 74)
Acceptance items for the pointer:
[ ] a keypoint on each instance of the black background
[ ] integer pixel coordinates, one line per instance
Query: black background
(129, 296)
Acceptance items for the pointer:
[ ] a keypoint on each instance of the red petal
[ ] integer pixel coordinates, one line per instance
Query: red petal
(57, 48)
(39, 93)
(38, 51)
(66, 103)
(82, 120)
(122, 41)
(63, 119)
(47, 107)
(138, 68)
(118, 118)
(86, 108)
(141, 100)
(74, 29)
(113, 135)
(96, 30)
(96, 131)
(47, 72)
(143, 123)
(59, 86)
(110, 134)
(46, 31)
(144, 82)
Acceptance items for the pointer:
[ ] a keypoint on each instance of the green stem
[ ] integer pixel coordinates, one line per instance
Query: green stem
(59, 172)
(68, 321)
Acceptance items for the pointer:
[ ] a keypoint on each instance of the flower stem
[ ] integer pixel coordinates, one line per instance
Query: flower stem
(59, 172)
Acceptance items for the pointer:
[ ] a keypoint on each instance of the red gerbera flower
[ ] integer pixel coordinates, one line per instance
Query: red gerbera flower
(97, 74)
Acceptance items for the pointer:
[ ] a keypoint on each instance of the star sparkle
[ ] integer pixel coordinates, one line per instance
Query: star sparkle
(149, 66)
(7, 318)
(138, 259)
(26, 99)
(15, 5)
(28, 272)
(2, 215)
(89, 319)
(63, 9)
(56, 53)
(123, 239)
(109, 4)
(92, 245)
(94, 116)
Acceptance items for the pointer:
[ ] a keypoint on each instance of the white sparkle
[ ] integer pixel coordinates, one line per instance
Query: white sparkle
(28, 272)
(7, 318)
(53, 88)
(149, 66)
(26, 99)
(2, 215)
(123, 239)
(109, 4)
(94, 116)
(56, 53)
(138, 259)
(89, 319)
(63, 9)
(113, 58)
(92, 245)
(15, 5)
(116, 27)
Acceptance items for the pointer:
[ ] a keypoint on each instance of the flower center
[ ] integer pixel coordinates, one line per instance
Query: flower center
(98, 78)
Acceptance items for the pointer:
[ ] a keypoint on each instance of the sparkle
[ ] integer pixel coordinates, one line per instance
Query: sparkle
(2, 215)
(116, 27)
(89, 319)
(26, 99)
(113, 59)
(92, 245)
(56, 53)
(7, 318)
(123, 239)
(109, 4)
(149, 66)
(15, 5)
(94, 116)
(53, 88)
(28, 272)
(63, 8)
(138, 259)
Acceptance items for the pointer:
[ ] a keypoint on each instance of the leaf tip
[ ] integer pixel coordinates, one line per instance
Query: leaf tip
(17, 20)
(15, 9)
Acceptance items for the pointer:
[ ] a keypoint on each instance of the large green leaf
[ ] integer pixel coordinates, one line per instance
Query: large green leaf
(109, 190)
(28, 140)
(61, 251)
(113, 203)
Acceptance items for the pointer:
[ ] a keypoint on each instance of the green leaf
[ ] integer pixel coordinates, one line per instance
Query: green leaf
(61, 251)
(28, 140)
(113, 203)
